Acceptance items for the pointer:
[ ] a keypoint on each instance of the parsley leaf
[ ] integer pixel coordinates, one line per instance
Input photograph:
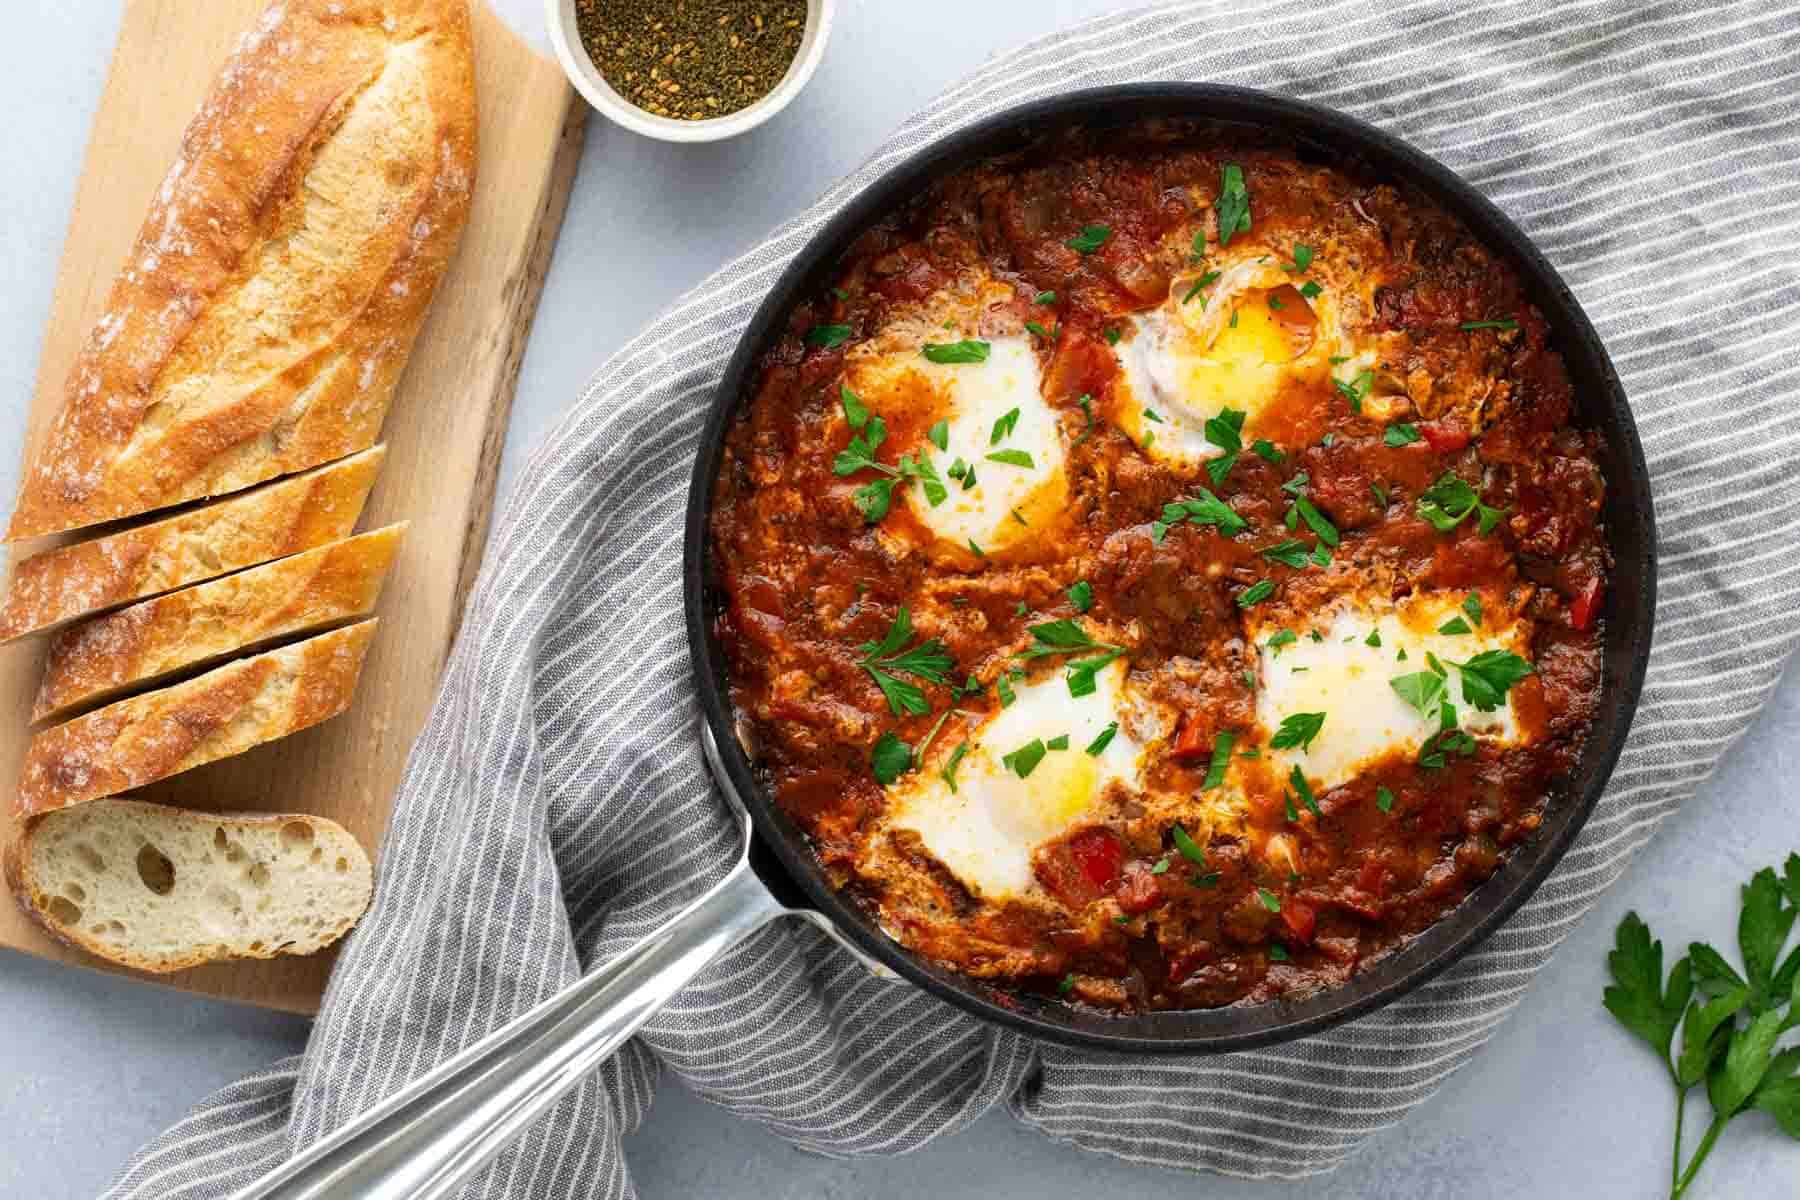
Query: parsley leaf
(1081, 595)
(1265, 450)
(1023, 761)
(1044, 298)
(1103, 739)
(1215, 770)
(1384, 799)
(1422, 689)
(1454, 626)
(1303, 256)
(1401, 434)
(939, 435)
(1449, 501)
(949, 771)
(827, 336)
(1256, 593)
(1270, 900)
(1206, 509)
(1003, 427)
(1190, 849)
(856, 413)
(1298, 729)
(1233, 204)
(1638, 998)
(1297, 777)
(966, 351)
(1503, 323)
(1357, 390)
(1081, 673)
(1489, 676)
(1472, 605)
(1289, 552)
(1206, 280)
(890, 759)
(1038, 330)
(1316, 521)
(1011, 458)
(927, 661)
(1090, 239)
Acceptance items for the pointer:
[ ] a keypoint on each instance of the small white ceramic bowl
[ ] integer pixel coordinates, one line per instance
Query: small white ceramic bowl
(566, 37)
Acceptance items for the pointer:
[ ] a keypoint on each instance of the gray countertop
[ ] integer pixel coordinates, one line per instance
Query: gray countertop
(1558, 1104)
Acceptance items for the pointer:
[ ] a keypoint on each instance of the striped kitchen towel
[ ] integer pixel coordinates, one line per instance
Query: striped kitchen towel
(556, 807)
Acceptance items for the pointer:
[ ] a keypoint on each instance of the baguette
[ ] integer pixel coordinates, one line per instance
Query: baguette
(138, 646)
(284, 269)
(51, 589)
(226, 711)
(162, 889)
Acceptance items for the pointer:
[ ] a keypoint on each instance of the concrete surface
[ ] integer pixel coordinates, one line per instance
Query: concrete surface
(1559, 1104)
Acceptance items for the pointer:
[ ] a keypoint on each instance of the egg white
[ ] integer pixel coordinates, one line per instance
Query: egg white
(986, 831)
(1348, 680)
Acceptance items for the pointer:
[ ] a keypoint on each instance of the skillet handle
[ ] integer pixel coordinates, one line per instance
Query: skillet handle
(426, 1140)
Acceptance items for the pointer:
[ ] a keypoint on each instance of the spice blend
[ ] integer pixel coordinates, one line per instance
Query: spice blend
(691, 59)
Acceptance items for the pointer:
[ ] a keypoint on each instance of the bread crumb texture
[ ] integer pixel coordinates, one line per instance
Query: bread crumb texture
(162, 889)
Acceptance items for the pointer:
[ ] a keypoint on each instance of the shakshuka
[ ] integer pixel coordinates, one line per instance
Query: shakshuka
(1160, 568)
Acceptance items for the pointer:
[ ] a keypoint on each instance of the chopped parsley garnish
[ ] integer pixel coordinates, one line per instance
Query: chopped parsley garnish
(1103, 739)
(1289, 552)
(1003, 687)
(1044, 298)
(1059, 742)
(890, 759)
(1454, 626)
(1384, 799)
(1401, 434)
(1502, 323)
(1112, 337)
(1067, 985)
(1190, 849)
(1374, 639)
(1086, 403)
(1421, 689)
(1081, 673)
(1023, 761)
(1206, 280)
(979, 552)
(1019, 609)
(1040, 331)
(1303, 256)
(1281, 637)
(1297, 729)
(1316, 521)
(1277, 952)
(1090, 239)
(1357, 390)
(1004, 426)
(1270, 900)
(1489, 676)
(1081, 595)
(939, 435)
(966, 351)
(1256, 593)
(855, 411)
(1161, 867)
(1380, 493)
(1206, 509)
(1265, 450)
(1150, 415)
(827, 336)
(1321, 557)
(1275, 302)
(1226, 432)
(1011, 458)
(1472, 605)
(1215, 770)
(1233, 204)
(949, 771)
(1303, 789)
(927, 661)
(1449, 501)
(1310, 290)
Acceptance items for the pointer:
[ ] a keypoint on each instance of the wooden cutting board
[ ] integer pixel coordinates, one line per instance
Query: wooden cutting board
(444, 432)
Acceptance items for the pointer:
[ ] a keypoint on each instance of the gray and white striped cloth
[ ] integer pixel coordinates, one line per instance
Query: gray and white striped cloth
(556, 807)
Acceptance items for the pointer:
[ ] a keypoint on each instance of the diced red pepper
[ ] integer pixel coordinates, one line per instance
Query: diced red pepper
(1444, 438)
(1192, 742)
(1586, 606)
(1139, 893)
(1300, 918)
(1099, 854)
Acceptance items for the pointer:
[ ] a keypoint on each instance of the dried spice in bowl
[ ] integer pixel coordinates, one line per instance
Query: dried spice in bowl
(691, 59)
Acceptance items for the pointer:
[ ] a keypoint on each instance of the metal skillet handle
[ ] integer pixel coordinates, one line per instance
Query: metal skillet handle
(426, 1140)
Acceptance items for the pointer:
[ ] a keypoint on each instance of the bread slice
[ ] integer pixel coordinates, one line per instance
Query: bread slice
(226, 711)
(51, 589)
(283, 271)
(163, 889)
(136, 647)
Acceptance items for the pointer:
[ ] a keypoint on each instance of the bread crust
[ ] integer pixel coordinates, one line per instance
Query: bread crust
(285, 267)
(224, 712)
(49, 590)
(127, 650)
(15, 865)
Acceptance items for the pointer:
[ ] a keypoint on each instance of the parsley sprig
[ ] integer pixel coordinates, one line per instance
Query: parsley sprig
(1205, 509)
(1068, 637)
(1730, 1022)
(1448, 503)
(891, 655)
(868, 432)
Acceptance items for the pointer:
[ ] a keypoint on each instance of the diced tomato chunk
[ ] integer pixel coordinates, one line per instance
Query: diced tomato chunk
(1099, 854)
(1443, 437)
(1586, 605)
(1300, 918)
(1192, 742)
(1139, 892)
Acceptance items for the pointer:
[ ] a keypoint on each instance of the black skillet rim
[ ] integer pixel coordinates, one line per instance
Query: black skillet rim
(1629, 605)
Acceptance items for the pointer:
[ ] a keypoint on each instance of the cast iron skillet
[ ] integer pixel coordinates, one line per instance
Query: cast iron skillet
(425, 1141)
(1600, 403)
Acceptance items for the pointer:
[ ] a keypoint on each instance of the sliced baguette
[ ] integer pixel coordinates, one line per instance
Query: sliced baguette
(283, 271)
(162, 889)
(212, 716)
(51, 589)
(136, 647)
